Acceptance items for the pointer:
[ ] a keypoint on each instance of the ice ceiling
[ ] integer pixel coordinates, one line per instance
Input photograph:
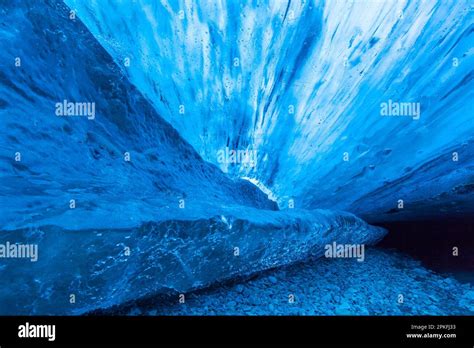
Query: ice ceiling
(301, 83)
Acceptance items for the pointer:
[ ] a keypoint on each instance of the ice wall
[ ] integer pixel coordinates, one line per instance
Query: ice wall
(122, 167)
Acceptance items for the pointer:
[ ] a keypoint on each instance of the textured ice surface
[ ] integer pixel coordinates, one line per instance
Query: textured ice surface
(301, 83)
(64, 158)
(164, 257)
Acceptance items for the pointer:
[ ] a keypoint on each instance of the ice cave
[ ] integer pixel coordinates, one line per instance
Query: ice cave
(198, 157)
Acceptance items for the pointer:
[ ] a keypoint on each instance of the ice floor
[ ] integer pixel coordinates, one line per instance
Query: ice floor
(387, 283)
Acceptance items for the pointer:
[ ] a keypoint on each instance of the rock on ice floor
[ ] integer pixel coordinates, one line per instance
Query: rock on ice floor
(328, 287)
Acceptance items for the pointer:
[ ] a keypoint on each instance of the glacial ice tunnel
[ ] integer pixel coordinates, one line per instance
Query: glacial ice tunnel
(208, 148)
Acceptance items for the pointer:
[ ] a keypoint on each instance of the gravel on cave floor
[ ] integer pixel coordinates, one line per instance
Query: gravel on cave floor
(386, 283)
